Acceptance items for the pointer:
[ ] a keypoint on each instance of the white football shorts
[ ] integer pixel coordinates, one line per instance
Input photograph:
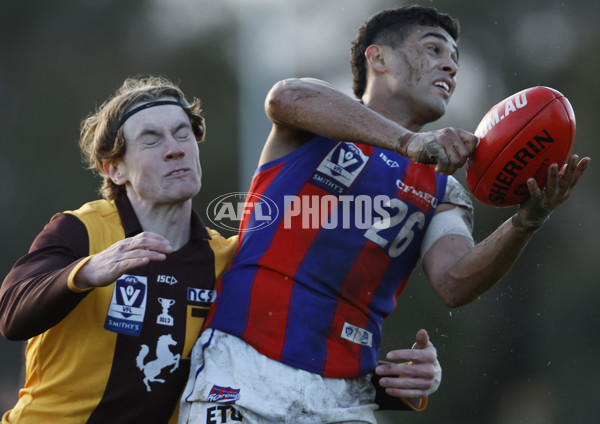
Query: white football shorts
(232, 382)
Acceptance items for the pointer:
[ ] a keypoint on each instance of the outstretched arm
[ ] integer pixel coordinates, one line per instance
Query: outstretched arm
(460, 271)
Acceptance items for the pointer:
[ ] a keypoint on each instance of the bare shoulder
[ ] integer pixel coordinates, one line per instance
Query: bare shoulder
(281, 141)
(298, 109)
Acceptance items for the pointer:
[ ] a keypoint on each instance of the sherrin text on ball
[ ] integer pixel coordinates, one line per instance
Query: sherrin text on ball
(520, 138)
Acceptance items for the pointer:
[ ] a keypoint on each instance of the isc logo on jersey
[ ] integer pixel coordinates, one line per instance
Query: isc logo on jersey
(167, 279)
(338, 170)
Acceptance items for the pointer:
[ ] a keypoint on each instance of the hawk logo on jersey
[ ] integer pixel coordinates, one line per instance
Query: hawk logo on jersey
(338, 170)
(164, 358)
(128, 305)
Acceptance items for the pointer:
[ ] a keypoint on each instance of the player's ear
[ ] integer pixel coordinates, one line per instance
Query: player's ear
(375, 58)
(115, 171)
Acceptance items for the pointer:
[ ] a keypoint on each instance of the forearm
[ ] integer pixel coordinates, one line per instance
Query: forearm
(476, 268)
(35, 294)
(315, 107)
(459, 271)
(31, 305)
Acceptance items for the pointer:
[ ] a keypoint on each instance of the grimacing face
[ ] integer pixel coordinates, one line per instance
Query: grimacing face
(161, 165)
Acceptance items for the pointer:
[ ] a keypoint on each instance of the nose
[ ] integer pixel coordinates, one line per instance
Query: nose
(174, 149)
(450, 66)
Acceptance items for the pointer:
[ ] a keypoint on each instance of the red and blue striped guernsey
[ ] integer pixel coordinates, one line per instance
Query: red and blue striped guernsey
(311, 289)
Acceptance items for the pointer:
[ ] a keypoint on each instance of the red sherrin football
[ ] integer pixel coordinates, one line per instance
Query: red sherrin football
(519, 138)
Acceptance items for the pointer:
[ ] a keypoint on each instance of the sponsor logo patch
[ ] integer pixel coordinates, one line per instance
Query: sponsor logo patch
(201, 295)
(389, 162)
(166, 279)
(338, 170)
(128, 305)
(222, 414)
(357, 335)
(410, 194)
(223, 394)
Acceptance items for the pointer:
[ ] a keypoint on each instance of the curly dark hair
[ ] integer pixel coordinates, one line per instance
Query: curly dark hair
(101, 136)
(390, 27)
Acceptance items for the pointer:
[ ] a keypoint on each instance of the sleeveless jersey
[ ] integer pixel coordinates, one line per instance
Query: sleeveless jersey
(313, 279)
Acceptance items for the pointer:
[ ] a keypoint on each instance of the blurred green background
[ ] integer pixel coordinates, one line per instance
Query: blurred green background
(525, 352)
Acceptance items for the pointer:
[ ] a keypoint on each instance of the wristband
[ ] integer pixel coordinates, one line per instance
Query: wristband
(403, 142)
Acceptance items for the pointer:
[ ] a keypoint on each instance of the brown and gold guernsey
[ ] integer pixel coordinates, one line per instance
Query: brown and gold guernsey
(116, 354)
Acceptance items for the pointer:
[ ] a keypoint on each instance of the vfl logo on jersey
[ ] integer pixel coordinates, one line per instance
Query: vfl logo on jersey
(223, 394)
(201, 295)
(338, 170)
(164, 358)
(128, 305)
(357, 335)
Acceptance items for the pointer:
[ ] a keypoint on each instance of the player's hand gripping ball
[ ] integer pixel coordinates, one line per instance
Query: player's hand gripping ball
(520, 138)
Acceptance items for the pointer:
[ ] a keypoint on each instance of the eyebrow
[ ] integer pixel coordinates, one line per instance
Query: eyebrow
(441, 37)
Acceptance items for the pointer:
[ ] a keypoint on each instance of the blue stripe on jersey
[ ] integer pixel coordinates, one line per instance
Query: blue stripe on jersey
(238, 282)
(325, 268)
(334, 167)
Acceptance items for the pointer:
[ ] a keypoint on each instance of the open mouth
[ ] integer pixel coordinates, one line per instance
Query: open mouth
(443, 85)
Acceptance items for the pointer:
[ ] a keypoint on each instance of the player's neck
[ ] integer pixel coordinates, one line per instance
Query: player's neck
(170, 221)
(396, 111)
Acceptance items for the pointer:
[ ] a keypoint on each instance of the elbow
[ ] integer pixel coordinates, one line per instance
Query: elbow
(454, 302)
(453, 297)
(280, 97)
(10, 336)
(10, 331)
(450, 300)
(11, 328)
(8, 327)
(285, 97)
(17, 333)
